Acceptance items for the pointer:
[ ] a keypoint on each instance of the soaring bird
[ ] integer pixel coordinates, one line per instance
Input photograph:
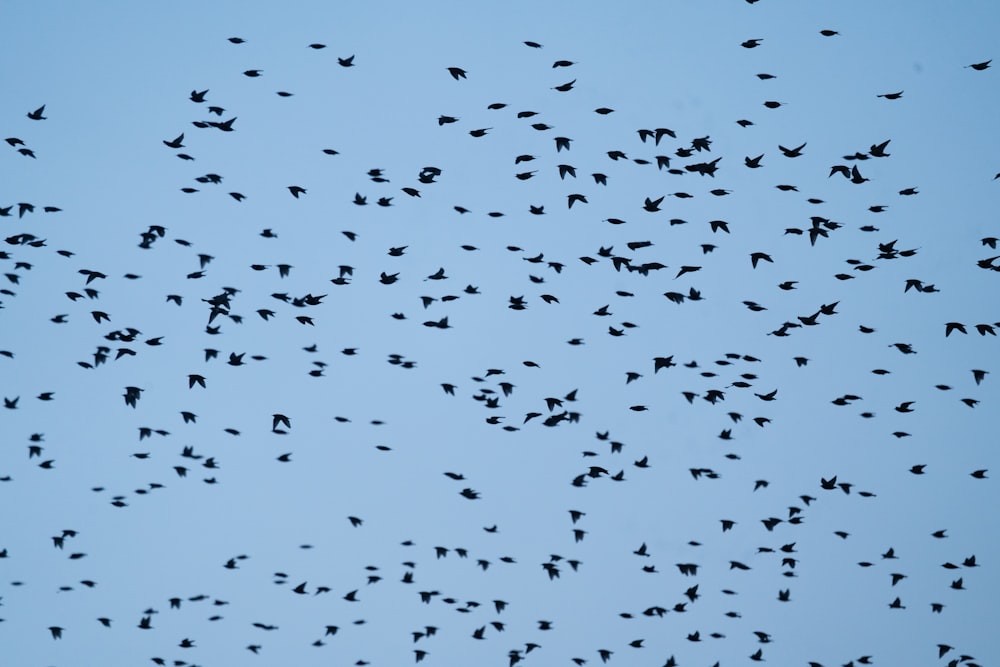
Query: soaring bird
(792, 152)
(950, 327)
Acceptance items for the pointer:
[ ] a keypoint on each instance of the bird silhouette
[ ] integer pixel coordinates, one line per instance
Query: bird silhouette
(792, 152)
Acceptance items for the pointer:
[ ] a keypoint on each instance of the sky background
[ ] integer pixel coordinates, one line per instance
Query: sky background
(372, 439)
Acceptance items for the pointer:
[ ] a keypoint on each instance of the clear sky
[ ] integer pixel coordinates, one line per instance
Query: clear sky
(776, 199)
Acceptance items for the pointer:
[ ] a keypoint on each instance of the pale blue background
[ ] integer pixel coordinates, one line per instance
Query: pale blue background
(115, 78)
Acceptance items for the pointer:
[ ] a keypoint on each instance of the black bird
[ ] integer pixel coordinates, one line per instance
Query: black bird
(653, 205)
(792, 152)
(280, 420)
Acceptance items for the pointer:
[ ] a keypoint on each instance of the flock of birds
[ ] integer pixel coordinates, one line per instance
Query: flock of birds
(728, 398)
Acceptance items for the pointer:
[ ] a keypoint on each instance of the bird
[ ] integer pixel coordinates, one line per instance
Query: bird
(37, 113)
(653, 205)
(951, 327)
(792, 152)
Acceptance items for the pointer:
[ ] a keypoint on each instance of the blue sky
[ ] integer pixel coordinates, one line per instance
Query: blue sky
(372, 439)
